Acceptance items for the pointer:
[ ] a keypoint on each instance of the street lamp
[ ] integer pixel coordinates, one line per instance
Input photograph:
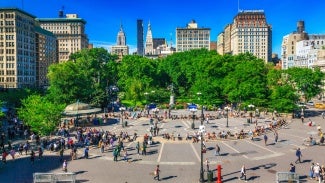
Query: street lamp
(227, 110)
(202, 129)
(193, 110)
(122, 109)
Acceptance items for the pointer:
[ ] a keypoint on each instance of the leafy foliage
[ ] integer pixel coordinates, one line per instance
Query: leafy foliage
(40, 114)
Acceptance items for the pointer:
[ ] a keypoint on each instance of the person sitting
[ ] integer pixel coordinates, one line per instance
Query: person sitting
(179, 136)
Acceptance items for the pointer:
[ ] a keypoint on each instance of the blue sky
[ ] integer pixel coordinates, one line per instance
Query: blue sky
(104, 16)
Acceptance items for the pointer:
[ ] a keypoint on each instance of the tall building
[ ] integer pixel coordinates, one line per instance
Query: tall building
(120, 48)
(26, 50)
(192, 37)
(249, 32)
(149, 42)
(288, 47)
(17, 49)
(70, 32)
(46, 54)
(220, 43)
(140, 50)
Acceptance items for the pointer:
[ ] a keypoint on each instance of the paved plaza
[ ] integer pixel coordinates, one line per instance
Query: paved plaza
(179, 160)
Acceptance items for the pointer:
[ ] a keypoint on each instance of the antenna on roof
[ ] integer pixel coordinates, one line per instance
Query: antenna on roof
(238, 6)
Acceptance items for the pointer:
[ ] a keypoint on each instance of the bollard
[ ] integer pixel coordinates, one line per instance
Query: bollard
(219, 174)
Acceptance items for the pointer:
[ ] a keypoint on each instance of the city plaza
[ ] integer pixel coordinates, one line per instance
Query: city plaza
(179, 159)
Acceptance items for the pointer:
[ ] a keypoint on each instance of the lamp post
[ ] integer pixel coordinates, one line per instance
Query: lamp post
(122, 109)
(201, 131)
(193, 110)
(227, 110)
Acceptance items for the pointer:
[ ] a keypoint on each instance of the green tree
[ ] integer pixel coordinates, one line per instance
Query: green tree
(247, 81)
(307, 82)
(85, 77)
(2, 114)
(40, 114)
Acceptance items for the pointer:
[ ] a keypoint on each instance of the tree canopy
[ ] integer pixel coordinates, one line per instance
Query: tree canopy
(40, 114)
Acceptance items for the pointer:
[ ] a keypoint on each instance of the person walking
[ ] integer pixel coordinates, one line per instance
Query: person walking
(298, 155)
(157, 172)
(276, 137)
(317, 171)
(292, 168)
(32, 156)
(243, 173)
(311, 171)
(65, 166)
(217, 153)
(138, 147)
(86, 153)
(265, 139)
(207, 162)
(40, 153)
(125, 155)
(61, 154)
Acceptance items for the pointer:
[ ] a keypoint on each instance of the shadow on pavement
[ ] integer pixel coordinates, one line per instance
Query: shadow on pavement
(83, 180)
(80, 172)
(169, 177)
(48, 164)
(253, 178)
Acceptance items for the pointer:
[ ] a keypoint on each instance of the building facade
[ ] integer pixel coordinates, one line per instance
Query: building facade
(140, 50)
(17, 49)
(192, 37)
(120, 48)
(26, 50)
(307, 50)
(288, 46)
(70, 33)
(249, 32)
(149, 49)
(46, 54)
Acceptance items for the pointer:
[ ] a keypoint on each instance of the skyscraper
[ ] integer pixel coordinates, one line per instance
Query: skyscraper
(140, 50)
(249, 32)
(120, 48)
(149, 43)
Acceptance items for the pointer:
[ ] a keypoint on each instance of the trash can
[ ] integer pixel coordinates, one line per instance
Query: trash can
(126, 123)
(210, 176)
(248, 120)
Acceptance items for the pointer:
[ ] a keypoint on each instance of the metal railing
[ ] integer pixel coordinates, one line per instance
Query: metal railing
(287, 177)
(54, 177)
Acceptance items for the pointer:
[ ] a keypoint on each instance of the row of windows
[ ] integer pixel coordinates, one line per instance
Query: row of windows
(8, 58)
(193, 43)
(7, 15)
(8, 44)
(8, 72)
(7, 29)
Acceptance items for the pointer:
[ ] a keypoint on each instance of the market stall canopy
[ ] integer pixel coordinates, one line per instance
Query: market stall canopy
(80, 108)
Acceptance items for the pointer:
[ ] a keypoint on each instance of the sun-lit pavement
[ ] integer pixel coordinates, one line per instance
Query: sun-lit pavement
(180, 160)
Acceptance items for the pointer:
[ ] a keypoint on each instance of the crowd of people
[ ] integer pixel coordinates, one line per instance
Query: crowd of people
(83, 139)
